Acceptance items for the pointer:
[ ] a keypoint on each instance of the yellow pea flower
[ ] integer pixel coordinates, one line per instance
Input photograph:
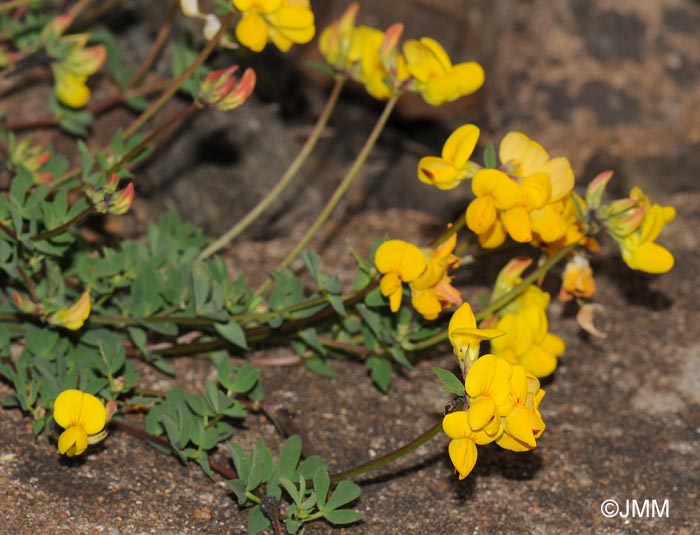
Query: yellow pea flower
(434, 76)
(488, 387)
(639, 250)
(524, 423)
(577, 279)
(465, 337)
(523, 197)
(462, 448)
(82, 416)
(398, 261)
(73, 317)
(73, 67)
(432, 292)
(282, 22)
(335, 41)
(453, 166)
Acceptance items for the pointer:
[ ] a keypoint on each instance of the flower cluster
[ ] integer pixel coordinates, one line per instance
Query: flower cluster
(72, 62)
(221, 90)
(502, 407)
(83, 417)
(108, 199)
(33, 158)
(282, 22)
(527, 341)
(371, 57)
(634, 223)
(426, 274)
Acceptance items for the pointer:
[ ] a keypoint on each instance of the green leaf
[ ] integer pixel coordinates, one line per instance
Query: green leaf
(450, 382)
(321, 485)
(238, 488)
(490, 156)
(375, 298)
(319, 366)
(310, 337)
(292, 525)
(240, 460)
(245, 378)
(337, 304)
(311, 261)
(342, 516)
(232, 332)
(309, 466)
(291, 489)
(380, 371)
(344, 493)
(257, 521)
(321, 67)
(289, 456)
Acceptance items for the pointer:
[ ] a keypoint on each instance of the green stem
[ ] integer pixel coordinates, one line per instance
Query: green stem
(284, 181)
(452, 229)
(502, 301)
(340, 190)
(391, 456)
(177, 83)
(64, 226)
(9, 6)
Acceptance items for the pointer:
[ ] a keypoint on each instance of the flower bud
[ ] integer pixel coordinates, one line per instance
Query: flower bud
(73, 317)
(23, 304)
(122, 200)
(221, 90)
(596, 189)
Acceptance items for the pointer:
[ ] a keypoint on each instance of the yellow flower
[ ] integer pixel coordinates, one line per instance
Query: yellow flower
(453, 166)
(72, 68)
(465, 337)
(524, 423)
(398, 261)
(334, 42)
(520, 198)
(369, 67)
(82, 416)
(431, 292)
(462, 448)
(577, 279)
(488, 387)
(434, 76)
(282, 22)
(73, 317)
(639, 250)
(528, 342)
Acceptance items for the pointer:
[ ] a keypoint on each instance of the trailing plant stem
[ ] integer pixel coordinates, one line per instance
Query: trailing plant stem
(340, 190)
(391, 456)
(286, 178)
